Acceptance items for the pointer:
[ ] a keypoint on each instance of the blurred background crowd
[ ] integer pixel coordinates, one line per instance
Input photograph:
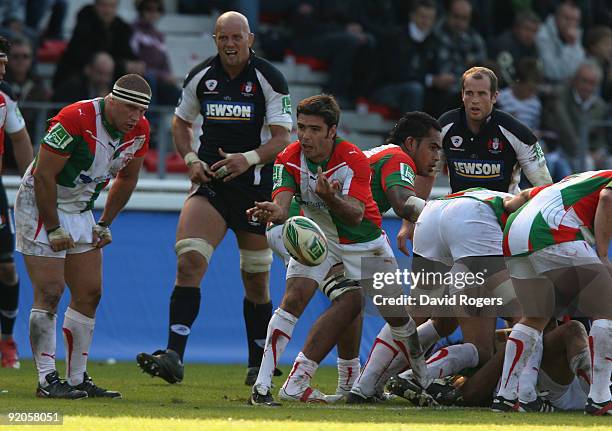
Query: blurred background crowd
(384, 57)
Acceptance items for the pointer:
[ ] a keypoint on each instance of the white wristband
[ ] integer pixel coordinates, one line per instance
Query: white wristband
(252, 157)
(191, 158)
(414, 205)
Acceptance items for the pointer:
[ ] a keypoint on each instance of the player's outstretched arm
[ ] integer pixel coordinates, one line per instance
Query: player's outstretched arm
(276, 212)
(121, 190)
(603, 223)
(405, 203)
(22, 148)
(513, 203)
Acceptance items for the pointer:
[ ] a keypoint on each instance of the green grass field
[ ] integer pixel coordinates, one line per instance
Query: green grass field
(214, 397)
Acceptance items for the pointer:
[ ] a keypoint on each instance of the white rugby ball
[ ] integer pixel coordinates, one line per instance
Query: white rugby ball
(305, 241)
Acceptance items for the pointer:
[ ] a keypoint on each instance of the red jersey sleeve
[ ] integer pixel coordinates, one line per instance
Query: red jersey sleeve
(358, 184)
(144, 129)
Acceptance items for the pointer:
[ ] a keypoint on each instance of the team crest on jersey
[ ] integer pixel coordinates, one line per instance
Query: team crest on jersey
(248, 88)
(406, 173)
(57, 137)
(211, 84)
(456, 141)
(277, 176)
(495, 146)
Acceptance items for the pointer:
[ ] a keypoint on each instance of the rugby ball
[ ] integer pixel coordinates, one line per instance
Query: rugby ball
(305, 241)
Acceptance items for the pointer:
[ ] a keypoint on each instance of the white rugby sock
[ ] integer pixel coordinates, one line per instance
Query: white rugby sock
(302, 372)
(42, 339)
(78, 333)
(528, 379)
(348, 371)
(581, 367)
(600, 344)
(450, 360)
(279, 333)
(384, 350)
(520, 345)
(428, 335)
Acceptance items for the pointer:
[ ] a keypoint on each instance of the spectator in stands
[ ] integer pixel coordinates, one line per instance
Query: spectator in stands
(323, 29)
(598, 45)
(35, 12)
(98, 28)
(148, 44)
(95, 81)
(459, 48)
(574, 107)
(12, 21)
(27, 86)
(559, 42)
(513, 45)
(521, 98)
(408, 60)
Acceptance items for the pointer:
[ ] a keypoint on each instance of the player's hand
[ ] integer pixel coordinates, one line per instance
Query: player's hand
(101, 236)
(60, 240)
(200, 173)
(405, 233)
(325, 189)
(232, 165)
(266, 212)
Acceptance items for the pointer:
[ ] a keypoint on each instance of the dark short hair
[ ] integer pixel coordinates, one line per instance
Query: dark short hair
(480, 72)
(4, 45)
(142, 5)
(427, 4)
(414, 124)
(526, 16)
(321, 105)
(529, 70)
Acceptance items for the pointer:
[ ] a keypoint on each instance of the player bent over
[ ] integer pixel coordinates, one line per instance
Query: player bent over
(547, 242)
(340, 201)
(87, 143)
(440, 246)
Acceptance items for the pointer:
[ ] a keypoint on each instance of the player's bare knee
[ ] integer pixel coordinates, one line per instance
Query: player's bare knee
(574, 330)
(50, 297)
(445, 325)
(8, 273)
(191, 265)
(352, 300)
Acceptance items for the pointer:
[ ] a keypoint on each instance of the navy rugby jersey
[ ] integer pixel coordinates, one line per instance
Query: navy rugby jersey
(237, 112)
(494, 157)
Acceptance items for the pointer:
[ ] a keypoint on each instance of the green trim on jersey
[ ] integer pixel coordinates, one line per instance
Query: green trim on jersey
(403, 178)
(496, 203)
(576, 192)
(114, 133)
(81, 159)
(365, 232)
(282, 178)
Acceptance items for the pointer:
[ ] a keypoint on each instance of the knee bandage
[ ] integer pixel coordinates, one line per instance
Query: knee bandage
(335, 285)
(194, 244)
(255, 261)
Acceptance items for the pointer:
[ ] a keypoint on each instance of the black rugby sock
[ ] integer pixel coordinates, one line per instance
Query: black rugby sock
(184, 308)
(9, 299)
(256, 319)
